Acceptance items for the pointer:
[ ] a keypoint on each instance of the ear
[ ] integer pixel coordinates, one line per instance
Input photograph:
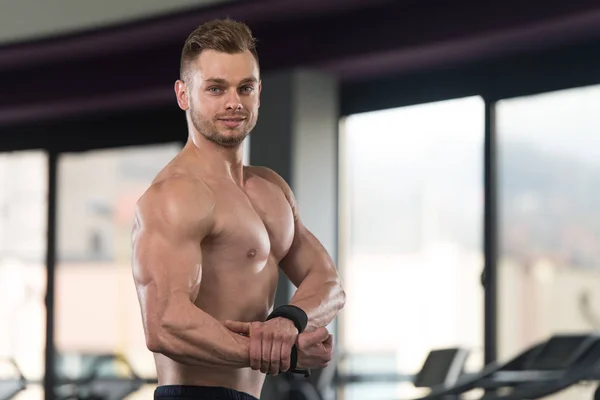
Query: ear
(182, 95)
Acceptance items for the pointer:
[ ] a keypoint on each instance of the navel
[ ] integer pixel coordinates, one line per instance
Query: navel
(251, 253)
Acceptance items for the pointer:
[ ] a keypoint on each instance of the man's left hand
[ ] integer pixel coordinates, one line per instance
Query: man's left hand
(271, 343)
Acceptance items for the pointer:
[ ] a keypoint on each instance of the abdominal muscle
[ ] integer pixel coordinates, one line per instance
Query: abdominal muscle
(240, 294)
(244, 380)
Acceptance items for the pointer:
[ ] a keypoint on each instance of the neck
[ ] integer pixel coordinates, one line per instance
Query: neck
(222, 160)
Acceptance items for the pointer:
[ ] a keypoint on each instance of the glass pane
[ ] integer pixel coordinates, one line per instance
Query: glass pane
(549, 175)
(23, 215)
(98, 323)
(411, 239)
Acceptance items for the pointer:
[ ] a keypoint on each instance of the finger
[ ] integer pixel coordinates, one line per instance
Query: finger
(315, 337)
(267, 343)
(255, 353)
(238, 327)
(255, 348)
(243, 340)
(286, 356)
(276, 356)
(322, 334)
(328, 346)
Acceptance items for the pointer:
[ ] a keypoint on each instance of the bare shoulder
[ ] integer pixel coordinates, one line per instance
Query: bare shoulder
(269, 175)
(273, 177)
(177, 200)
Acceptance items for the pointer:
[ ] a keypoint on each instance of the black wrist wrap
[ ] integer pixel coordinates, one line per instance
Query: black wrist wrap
(300, 320)
(293, 313)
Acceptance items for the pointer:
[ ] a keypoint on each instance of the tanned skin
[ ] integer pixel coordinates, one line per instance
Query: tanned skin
(209, 237)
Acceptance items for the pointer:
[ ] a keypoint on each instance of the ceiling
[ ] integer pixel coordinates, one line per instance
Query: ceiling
(131, 66)
(26, 20)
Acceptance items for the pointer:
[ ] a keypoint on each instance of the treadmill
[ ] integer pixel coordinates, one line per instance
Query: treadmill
(442, 368)
(543, 369)
(103, 377)
(12, 381)
(559, 369)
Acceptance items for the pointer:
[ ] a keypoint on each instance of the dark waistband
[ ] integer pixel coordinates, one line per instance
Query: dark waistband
(167, 392)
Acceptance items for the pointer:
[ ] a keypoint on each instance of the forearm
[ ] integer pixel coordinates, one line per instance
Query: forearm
(321, 297)
(190, 336)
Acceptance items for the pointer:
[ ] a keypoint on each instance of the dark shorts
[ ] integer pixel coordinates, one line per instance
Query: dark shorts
(172, 392)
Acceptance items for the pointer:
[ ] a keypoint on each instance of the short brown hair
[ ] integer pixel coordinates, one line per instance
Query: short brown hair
(224, 35)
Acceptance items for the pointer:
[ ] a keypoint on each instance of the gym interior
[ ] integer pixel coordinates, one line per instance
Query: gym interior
(443, 152)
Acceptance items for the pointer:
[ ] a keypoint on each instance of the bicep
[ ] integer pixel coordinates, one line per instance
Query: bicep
(307, 255)
(167, 255)
(166, 266)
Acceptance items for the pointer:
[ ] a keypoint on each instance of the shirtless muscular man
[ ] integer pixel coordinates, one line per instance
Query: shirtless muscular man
(210, 235)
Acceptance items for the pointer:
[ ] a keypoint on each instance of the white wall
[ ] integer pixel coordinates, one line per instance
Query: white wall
(30, 19)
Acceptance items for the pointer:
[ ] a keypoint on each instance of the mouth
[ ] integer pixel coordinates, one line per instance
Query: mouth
(232, 122)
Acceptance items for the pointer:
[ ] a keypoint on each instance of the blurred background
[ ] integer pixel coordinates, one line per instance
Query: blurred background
(446, 153)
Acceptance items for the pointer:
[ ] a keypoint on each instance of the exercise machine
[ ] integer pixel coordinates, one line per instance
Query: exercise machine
(99, 377)
(14, 382)
(441, 368)
(543, 369)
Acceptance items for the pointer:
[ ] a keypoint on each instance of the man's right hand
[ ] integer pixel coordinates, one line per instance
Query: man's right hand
(270, 343)
(315, 349)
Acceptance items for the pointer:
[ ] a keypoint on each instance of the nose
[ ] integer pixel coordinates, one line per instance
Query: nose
(233, 102)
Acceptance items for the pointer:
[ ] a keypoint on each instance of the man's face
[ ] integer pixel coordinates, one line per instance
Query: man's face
(224, 96)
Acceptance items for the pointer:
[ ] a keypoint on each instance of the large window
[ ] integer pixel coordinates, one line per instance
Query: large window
(97, 311)
(23, 214)
(549, 194)
(411, 228)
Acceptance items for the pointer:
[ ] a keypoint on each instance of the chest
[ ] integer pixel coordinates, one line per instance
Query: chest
(255, 223)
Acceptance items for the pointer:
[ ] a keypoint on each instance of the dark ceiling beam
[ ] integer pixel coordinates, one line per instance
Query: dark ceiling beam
(90, 105)
(520, 40)
(494, 79)
(136, 65)
(168, 29)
